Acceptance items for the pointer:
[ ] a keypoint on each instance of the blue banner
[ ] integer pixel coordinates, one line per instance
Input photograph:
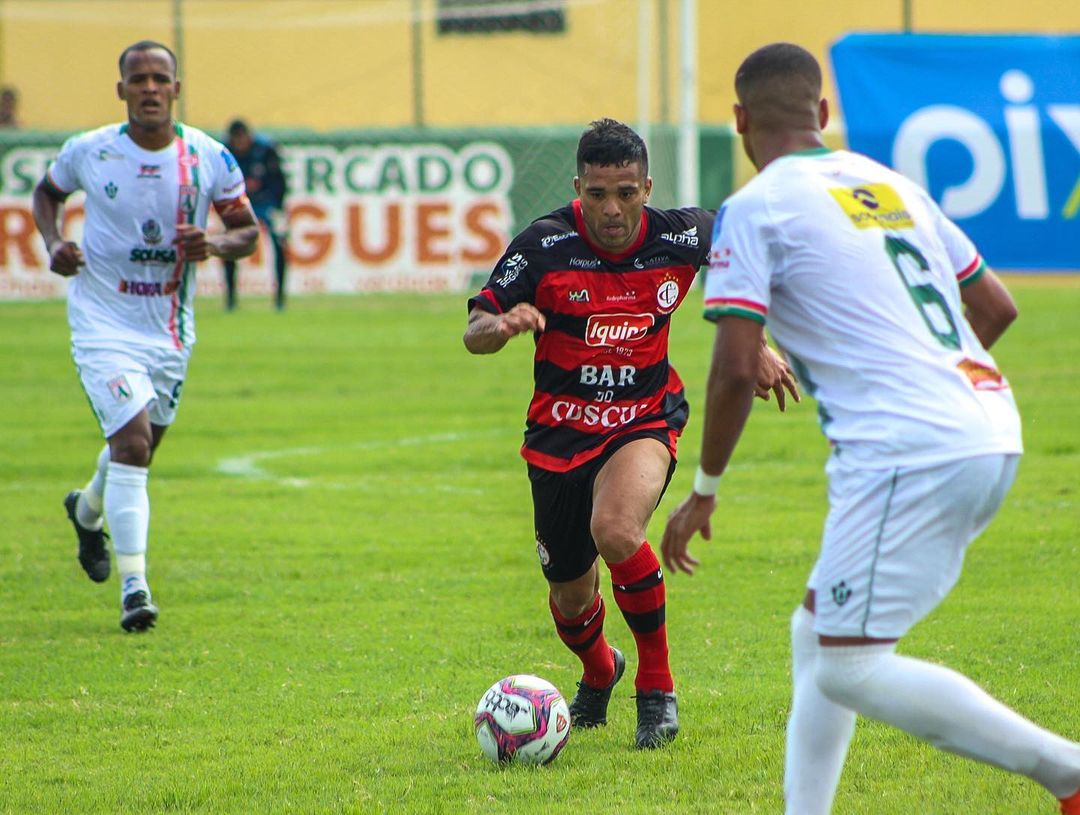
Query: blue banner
(990, 125)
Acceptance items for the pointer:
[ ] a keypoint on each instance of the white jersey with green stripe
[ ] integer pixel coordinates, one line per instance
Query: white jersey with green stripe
(135, 288)
(858, 274)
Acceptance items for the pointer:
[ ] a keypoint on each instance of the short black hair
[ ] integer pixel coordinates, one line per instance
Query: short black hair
(608, 143)
(237, 127)
(147, 45)
(779, 61)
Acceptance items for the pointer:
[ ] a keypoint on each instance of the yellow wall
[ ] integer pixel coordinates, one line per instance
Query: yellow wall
(349, 63)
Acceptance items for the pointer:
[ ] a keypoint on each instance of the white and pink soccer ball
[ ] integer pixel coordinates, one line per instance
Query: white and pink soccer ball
(522, 718)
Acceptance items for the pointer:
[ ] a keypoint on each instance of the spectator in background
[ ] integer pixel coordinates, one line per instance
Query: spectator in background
(259, 162)
(9, 101)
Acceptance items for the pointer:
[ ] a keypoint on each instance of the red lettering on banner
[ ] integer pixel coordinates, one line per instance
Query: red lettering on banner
(308, 247)
(492, 241)
(429, 230)
(17, 231)
(364, 253)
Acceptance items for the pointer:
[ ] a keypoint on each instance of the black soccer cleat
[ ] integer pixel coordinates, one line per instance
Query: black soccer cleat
(138, 613)
(589, 706)
(93, 554)
(657, 719)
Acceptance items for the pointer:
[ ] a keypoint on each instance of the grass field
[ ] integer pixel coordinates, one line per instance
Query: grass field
(341, 549)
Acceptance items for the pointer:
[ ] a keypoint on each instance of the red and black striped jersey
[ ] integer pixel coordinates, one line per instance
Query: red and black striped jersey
(601, 366)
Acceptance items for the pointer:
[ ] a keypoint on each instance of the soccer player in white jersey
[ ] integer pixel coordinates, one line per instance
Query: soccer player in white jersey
(149, 185)
(865, 285)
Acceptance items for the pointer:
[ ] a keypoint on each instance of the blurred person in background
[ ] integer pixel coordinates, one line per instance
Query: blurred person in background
(149, 185)
(9, 107)
(266, 187)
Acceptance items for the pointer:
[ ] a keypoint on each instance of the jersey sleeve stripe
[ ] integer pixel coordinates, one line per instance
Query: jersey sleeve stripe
(972, 272)
(715, 313)
(716, 307)
(54, 187)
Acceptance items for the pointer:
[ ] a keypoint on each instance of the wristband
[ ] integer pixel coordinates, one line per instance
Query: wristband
(704, 484)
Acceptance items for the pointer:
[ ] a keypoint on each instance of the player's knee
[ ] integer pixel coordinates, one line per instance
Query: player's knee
(844, 673)
(135, 450)
(616, 538)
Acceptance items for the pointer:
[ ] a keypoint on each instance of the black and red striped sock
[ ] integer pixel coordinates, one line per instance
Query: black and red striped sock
(584, 635)
(639, 592)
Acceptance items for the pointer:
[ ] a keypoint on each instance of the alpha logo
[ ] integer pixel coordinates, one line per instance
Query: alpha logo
(584, 263)
(542, 552)
(140, 255)
(111, 190)
(149, 171)
(120, 389)
(578, 296)
(873, 206)
(105, 155)
(982, 377)
(512, 267)
(189, 196)
(148, 288)
(667, 295)
(151, 232)
(688, 237)
(609, 330)
(841, 593)
(550, 240)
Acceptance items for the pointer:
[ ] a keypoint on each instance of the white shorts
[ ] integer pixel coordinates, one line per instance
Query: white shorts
(895, 540)
(119, 384)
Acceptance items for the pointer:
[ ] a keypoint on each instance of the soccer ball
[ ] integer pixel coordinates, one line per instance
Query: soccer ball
(522, 718)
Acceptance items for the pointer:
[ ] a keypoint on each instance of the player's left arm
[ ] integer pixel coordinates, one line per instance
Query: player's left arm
(988, 306)
(733, 377)
(237, 241)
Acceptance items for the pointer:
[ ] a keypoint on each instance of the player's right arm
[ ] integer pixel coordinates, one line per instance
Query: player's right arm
(488, 333)
(65, 257)
(988, 306)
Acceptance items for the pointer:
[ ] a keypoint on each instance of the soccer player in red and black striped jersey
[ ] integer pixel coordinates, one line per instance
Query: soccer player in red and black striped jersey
(596, 282)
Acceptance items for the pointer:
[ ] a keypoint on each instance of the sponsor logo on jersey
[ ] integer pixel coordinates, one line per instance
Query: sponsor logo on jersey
(111, 190)
(596, 415)
(149, 171)
(120, 389)
(151, 232)
(688, 237)
(608, 375)
(550, 240)
(105, 155)
(584, 263)
(189, 160)
(141, 255)
(227, 157)
(982, 377)
(148, 288)
(638, 264)
(609, 330)
(512, 267)
(873, 206)
(667, 294)
(625, 297)
(578, 296)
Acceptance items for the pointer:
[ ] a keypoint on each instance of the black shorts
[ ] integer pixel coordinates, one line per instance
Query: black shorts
(562, 511)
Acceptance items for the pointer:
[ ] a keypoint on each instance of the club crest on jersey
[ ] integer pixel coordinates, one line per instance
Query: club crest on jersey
(542, 553)
(151, 232)
(120, 388)
(188, 196)
(149, 171)
(111, 190)
(610, 330)
(578, 296)
(512, 267)
(667, 294)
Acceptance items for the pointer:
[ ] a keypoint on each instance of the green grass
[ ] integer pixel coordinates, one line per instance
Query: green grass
(341, 547)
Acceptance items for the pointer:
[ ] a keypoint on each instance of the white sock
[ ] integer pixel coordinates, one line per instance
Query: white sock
(89, 506)
(132, 570)
(818, 732)
(948, 710)
(127, 509)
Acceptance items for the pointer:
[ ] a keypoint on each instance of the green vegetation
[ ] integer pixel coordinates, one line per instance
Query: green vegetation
(341, 547)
